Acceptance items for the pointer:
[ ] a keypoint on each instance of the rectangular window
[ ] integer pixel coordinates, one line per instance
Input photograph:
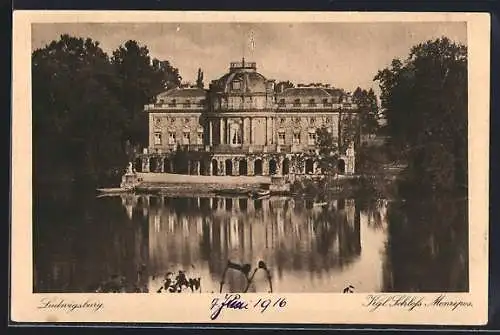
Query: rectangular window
(312, 139)
(171, 138)
(172, 103)
(157, 138)
(236, 85)
(281, 103)
(185, 138)
(296, 103)
(281, 138)
(200, 138)
(312, 103)
(187, 104)
(296, 138)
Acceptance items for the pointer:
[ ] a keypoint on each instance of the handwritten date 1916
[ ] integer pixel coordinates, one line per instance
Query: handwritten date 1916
(234, 301)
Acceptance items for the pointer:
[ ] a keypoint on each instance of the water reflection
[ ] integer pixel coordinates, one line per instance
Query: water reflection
(133, 243)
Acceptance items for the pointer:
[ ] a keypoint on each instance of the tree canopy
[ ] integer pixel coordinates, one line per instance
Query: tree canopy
(424, 100)
(88, 107)
(368, 110)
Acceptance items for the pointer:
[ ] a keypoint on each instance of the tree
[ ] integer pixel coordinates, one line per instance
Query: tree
(327, 150)
(368, 110)
(141, 80)
(424, 101)
(77, 120)
(199, 79)
(349, 130)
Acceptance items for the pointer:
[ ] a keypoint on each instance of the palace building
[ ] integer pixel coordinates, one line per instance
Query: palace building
(244, 125)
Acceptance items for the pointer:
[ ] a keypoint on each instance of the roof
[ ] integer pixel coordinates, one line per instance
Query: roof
(251, 81)
(305, 92)
(183, 93)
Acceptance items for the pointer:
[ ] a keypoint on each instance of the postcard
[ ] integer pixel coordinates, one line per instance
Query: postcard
(250, 167)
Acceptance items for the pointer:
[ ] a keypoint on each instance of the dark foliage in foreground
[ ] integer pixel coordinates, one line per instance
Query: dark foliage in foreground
(88, 107)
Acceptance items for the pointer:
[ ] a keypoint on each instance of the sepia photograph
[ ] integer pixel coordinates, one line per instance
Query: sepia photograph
(231, 157)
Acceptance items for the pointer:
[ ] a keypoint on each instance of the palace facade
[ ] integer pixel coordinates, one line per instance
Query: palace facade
(244, 125)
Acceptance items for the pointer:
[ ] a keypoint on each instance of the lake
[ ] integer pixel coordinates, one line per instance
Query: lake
(136, 243)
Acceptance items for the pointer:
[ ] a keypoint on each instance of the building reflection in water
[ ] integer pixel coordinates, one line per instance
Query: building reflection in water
(129, 244)
(307, 246)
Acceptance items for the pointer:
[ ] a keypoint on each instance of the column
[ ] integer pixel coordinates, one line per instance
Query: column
(210, 132)
(198, 171)
(251, 132)
(242, 129)
(269, 135)
(222, 131)
(266, 132)
(189, 167)
(246, 131)
(162, 162)
(265, 166)
(274, 130)
(228, 132)
(236, 166)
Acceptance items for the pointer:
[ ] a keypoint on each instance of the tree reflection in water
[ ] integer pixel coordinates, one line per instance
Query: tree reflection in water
(427, 250)
(129, 243)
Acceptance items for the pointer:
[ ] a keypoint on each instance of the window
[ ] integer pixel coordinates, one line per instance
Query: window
(201, 102)
(200, 137)
(282, 121)
(281, 138)
(296, 103)
(281, 103)
(312, 121)
(312, 138)
(187, 104)
(186, 137)
(236, 85)
(296, 138)
(312, 103)
(171, 138)
(172, 103)
(157, 138)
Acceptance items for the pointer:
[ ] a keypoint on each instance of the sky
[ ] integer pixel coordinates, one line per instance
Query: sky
(344, 55)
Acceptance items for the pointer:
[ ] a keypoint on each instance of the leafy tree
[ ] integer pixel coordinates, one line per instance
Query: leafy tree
(327, 150)
(424, 101)
(141, 80)
(368, 110)
(77, 119)
(349, 130)
(88, 109)
(199, 79)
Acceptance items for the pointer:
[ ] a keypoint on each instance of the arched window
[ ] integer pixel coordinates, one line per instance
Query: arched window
(229, 167)
(309, 166)
(272, 167)
(257, 167)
